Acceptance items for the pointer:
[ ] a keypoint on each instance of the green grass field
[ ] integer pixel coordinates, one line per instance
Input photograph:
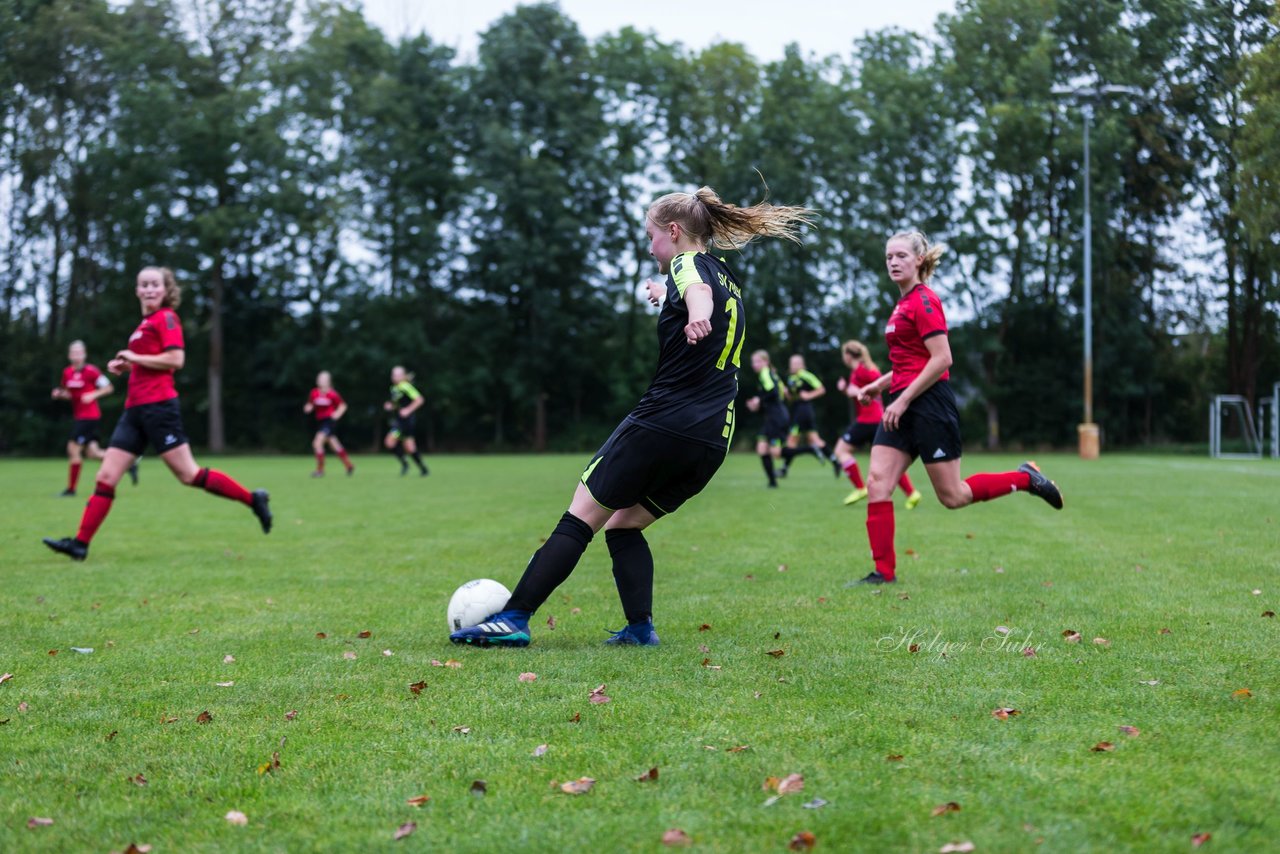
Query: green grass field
(1162, 557)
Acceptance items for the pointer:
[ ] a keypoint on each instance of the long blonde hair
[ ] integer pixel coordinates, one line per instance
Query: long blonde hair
(710, 221)
(172, 290)
(927, 252)
(858, 352)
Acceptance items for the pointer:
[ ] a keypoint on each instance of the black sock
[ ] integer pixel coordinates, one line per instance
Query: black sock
(399, 452)
(766, 460)
(788, 454)
(632, 572)
(551, 564)
(819, 452)
(417, 458)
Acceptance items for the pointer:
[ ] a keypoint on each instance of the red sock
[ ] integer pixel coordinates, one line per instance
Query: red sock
(880, 533)
(212, 480)
(320, 461)
(855, 476)
(95, 511)
(988, 486)
(74, 477)
(905, 484)
(346, 461)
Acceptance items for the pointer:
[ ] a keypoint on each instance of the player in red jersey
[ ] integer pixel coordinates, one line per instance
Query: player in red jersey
(84, 385)
(921, 419)
(862, 372)
(151, 414)
(328, 407)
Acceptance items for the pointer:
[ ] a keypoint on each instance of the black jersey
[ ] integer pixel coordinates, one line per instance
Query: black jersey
(803, 381)
(692, 392)
(771, 391)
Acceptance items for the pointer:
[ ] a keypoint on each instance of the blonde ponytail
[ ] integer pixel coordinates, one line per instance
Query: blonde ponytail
(711, 221)
(920, 246)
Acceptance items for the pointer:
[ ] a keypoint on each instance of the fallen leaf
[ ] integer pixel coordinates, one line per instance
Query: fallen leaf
(1241, 693)
(527, 677)
(53, 652)
(228, 659)
(453, 664)
(1046, 583)
(577, 716)
(1102, 642)
(551, 622)
(1131, 731)
(705, 627)
(575, 611)
(435, 662)
(709, 747)
(5, 677)
(702, 647)
(1103, 747)
(649, 776)
(418, 801)
(479, 788)
(999, 569)
(791, 783)
(598, 696)
(224, 684)
(1200, 839)
(580, 786)
(1029, 652)
(1268, 613)
(204, 717)
(1071, 635)
(237, 818)
(137, 848)
(738, 749)
(893, 757)
(540, 750)
(83, 650)
(776, 653)
(137, 780)
(957, 848)
(822, 599)
(388, 653)
(321, 635)
(903, 596)
(37, 821)
(349, 655)
(1257, 592)
(365, 634)
(910, 552)
(815, 804)
(291, 714)
(802, 841)
(1151, 682)
(915, 647)
(404, 830)
(1165, 632)
(22, 707)
(194, 632)
(676, 836)
(172, 720)
(1003, 630)
(943, 809)
(465, 730)
(416, 688)
(782, 567)
(1004, 713)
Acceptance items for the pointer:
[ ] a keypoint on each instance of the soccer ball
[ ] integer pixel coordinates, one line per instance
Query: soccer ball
(474, 601)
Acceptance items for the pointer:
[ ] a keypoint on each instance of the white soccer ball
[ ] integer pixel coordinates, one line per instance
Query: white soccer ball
(474, 601)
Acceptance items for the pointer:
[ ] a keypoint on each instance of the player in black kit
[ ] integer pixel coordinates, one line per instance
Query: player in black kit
(671, 444)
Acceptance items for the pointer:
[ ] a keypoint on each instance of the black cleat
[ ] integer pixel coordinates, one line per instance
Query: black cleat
(351, 470)
(262, 509)
(404, 469)
(873, 577)
(67, 493)
(424, 472)
(69, 546)
(1042, 486)
(133, 473)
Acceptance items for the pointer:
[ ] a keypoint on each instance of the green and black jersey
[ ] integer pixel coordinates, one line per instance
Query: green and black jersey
(770, 390)
(402, 394)
(692, 392)
(802, 381)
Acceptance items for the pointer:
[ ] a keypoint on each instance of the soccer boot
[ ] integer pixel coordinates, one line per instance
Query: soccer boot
(133, 473)
(1042, 486)
(67, 493)
(500, 629)
(635, 634)
(872, 577)
(317, 474)
(404, 469)
(913, 499)
(262, 509)
(351, 470)
(68, 546)
(855, 496)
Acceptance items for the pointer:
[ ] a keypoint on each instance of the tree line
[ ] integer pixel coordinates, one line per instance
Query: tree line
(335, 199)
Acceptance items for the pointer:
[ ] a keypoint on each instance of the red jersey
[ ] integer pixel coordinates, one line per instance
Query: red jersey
(325, 402)
(157, 333)
(917, 316)
(80, 382)
(873, 412)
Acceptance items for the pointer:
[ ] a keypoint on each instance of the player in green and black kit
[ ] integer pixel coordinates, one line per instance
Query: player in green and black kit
(804, 388)
(770, 401)
(667, 449)
(405, 400)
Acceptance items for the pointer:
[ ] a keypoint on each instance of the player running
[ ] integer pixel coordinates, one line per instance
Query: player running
(405, 400)
(803, 387)
(151, 414)
(671, 444)
(921, 419)
(770, 400)
(862, 372)
(328, 407)
(84, 385)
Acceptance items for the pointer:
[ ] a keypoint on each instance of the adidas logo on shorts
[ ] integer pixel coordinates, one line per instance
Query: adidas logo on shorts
(939, 453)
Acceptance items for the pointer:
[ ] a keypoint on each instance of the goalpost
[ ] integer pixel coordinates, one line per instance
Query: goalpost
(1232, 432)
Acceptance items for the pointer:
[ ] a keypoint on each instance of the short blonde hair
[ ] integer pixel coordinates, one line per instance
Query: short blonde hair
(172, 290)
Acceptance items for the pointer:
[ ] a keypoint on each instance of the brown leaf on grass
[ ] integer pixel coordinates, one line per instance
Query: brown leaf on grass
(169, 720)
(915, 647)
(1200, 839)
(803, 841)
(776, 653)
(649, 776)
(137, 848)
(1131, 731)
(893, 757)
(527, 677)
(943, 809)
(957, 848)
(739, 748)
(1102, 642)
(349, 655)
(577, 716)
(1004, 713)
(321, 635)
(479, 788)
(465, 730)
(705, 627)
(1071, 635)
(904, 596)
(822, 600)
(194, 632)
(598, 696)
(1103, 747)
(580, 786)
(365, 634)
(53, 652)
(112, 735)
(1029, 652)
(675, 836)
(22, 707)
(204, 717)
(5, 677)
(1241, 693)
(551, 622)
(910, 552)
(540, 750)
(418, 801)
(575, 610)
(37, 821)
(137, 780)
(453, 664)
(416, 688)
(787, 785)
(1268, 613)
(291, 714)
(404, 830)
(237, 818)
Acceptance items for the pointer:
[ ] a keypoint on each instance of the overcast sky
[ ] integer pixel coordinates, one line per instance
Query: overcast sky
(821, 27)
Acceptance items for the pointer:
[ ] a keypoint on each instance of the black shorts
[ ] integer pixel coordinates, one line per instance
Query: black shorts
(658, 471)
(325, 426)
(776, 426)
(929, 429)
(802, 417)
(402, 428)
(157, 423)
(860, 434)
(84, 430)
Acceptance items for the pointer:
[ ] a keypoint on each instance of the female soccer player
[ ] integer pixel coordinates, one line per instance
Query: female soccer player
(151, 414)
(771, 401)
(862, 372)
(84, 385)
(921, 419)
(804, 388)
(676, 437)
(405, 400)
(328, 407)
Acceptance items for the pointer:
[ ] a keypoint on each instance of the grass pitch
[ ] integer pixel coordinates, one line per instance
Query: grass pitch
(769, 666)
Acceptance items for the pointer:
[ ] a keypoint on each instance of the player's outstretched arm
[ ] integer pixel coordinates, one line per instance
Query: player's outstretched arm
(698, 298)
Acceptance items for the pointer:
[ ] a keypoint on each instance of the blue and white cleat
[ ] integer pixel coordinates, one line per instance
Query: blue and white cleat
(500, 629)
(635, 634)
